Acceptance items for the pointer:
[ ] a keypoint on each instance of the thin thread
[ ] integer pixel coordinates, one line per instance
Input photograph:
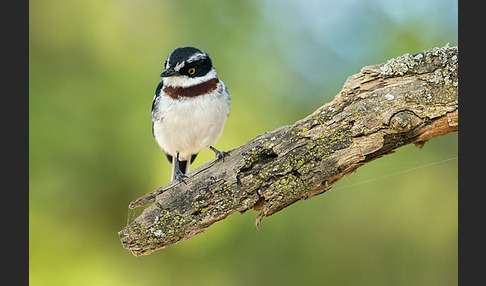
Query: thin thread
(131, 215)
(397, 173)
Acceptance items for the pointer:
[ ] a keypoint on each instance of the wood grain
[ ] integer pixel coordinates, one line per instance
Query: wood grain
(409, 99)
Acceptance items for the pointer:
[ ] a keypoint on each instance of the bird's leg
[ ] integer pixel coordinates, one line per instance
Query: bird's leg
(219, 154)
(179, 175)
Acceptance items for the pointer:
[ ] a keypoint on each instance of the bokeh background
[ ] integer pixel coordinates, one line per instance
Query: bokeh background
(94, 66)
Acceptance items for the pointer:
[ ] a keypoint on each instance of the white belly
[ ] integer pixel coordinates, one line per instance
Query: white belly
(190, 125)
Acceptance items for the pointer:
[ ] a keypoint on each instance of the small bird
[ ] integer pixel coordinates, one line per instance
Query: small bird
(189, 109)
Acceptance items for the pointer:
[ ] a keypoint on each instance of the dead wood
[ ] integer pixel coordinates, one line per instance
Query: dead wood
(409, 99)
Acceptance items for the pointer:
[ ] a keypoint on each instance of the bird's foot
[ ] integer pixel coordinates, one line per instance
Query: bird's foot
(180, 176)
(219, 154)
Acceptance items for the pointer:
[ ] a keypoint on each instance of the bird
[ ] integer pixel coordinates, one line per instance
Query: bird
(189, 109)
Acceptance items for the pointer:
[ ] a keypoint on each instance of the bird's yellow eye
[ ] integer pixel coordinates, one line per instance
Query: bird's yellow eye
(191, 71)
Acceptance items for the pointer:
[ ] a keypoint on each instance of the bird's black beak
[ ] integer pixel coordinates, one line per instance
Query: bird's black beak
(169, 72)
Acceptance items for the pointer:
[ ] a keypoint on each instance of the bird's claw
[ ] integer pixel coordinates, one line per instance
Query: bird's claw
(180, 176)
(219, 154)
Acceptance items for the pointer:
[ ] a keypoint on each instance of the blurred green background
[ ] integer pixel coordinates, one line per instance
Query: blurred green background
(94, 66)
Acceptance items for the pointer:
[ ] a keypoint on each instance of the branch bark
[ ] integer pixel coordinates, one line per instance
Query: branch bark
(409, 99)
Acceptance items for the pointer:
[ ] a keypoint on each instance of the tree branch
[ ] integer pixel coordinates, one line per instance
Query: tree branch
(409, 99)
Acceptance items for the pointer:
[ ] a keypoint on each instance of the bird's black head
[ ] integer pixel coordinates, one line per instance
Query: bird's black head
(187, 61)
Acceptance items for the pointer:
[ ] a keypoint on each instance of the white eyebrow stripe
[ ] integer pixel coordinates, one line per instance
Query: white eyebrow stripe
(196, 57)
(179, 66)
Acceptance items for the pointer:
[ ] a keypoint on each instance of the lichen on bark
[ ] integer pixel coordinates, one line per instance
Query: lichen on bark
(409, 99)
